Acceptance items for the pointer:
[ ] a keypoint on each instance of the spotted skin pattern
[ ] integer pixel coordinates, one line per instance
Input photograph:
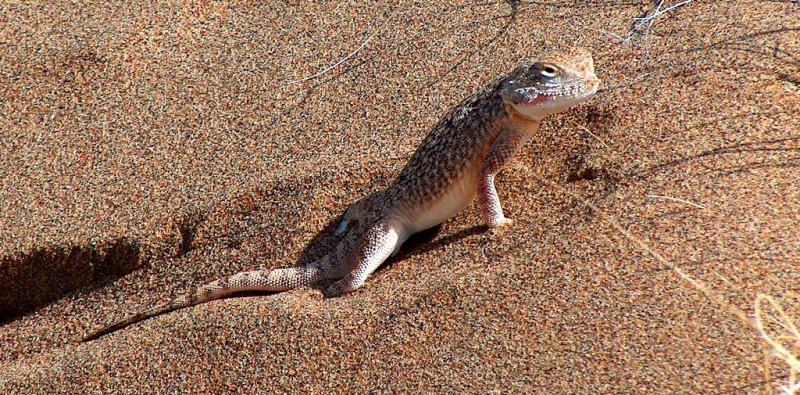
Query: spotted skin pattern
(456, 162)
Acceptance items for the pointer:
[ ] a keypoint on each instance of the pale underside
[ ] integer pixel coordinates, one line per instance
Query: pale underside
(456, 197)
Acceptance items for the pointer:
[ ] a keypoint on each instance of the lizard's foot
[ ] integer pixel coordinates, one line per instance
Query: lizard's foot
(376, 244)
(500, 222)
(341, 287)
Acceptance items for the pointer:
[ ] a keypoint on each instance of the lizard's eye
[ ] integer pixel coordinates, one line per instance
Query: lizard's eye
(549, 71)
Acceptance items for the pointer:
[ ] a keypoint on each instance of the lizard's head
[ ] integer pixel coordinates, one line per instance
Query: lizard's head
(551, 84)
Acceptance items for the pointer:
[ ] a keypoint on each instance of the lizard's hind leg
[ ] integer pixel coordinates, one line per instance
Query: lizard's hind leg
(376, 245)
(335, 264)
(358, 210)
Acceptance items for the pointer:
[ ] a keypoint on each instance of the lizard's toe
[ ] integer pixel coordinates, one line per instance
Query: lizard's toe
(339, 288)
(500, 223)
(499, 227)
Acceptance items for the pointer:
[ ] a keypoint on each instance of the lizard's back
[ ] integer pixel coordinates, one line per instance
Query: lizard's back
(440, 177)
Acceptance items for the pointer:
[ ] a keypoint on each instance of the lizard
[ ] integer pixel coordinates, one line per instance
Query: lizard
(457, 161)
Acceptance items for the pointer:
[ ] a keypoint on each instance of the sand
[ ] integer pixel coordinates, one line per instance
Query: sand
(146, 149)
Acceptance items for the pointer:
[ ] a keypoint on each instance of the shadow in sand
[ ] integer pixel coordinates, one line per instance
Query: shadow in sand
(323, 242)
(420, 243)
(775, 146)
(44, 275)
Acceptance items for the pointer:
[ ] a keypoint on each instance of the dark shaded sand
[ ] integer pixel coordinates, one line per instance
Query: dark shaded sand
(148, 149)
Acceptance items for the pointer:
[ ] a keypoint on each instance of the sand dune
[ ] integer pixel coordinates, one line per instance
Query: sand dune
(145, 149)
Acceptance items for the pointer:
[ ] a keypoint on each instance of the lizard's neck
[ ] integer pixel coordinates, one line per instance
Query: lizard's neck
(518, 121)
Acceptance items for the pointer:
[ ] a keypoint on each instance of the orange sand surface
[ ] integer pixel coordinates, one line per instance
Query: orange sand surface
(146, 149)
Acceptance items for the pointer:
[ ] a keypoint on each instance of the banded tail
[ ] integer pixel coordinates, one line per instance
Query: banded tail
(258, 280)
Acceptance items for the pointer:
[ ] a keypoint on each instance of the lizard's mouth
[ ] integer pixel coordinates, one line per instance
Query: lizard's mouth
(528, 97)
(534, 100)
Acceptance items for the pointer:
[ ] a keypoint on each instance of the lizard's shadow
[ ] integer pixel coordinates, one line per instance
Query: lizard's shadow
(425, 241)
(323, 242)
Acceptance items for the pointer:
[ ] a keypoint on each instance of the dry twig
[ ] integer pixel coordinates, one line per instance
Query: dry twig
(777, 346)
(643, 25)
(335, 65)
(674, 199)
(585, 129)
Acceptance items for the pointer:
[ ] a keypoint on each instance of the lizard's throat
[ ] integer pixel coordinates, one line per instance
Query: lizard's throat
(518, 117)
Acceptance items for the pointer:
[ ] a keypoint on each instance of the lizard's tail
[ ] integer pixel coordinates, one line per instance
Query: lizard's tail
(258, 280)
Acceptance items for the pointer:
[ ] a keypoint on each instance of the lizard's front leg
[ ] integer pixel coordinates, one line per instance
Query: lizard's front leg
(503, 149)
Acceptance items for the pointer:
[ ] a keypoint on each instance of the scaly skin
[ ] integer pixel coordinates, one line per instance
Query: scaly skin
(457, 161)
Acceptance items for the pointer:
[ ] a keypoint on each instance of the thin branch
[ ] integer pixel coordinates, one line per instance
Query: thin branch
(698, 284)
(672, 7)
(634, 81)
(645, 23)
(585, 129)
(515, 6)
(337, 64)
(674, 199)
